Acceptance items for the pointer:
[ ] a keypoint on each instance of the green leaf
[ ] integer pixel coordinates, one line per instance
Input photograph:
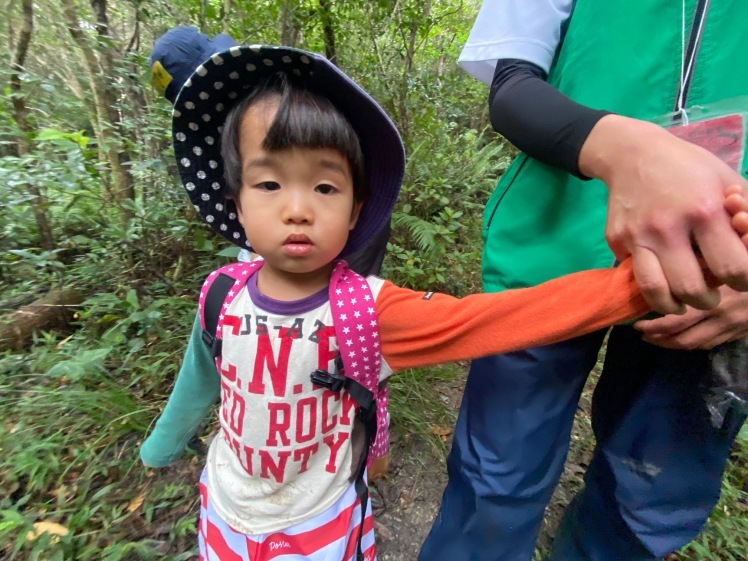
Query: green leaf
(743, 434)
(50, 134)
(55, 135)
(87, 362)
(132, 299)
(232, 252)
(136, 344)
(23, 253)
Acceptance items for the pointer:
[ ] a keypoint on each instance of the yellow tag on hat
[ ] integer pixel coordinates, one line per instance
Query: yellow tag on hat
(160, 78)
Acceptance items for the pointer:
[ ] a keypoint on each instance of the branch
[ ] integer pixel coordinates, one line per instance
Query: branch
(24, 38)
(224, 15)
(19, 59)
(134, 43)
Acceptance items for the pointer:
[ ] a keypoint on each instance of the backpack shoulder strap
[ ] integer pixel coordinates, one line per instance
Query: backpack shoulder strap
(356, 326)
(216, 295)
(357, 331)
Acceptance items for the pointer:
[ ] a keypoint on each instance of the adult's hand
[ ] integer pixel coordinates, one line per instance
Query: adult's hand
(666, 198)
(700, 329)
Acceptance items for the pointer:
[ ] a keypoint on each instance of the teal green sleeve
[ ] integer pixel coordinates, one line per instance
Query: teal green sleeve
(196, 390)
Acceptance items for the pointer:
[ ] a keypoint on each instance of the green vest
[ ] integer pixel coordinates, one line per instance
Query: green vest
(623, 56)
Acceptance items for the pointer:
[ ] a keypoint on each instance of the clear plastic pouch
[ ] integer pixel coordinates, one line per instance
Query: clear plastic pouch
(727, 385)
(721, 129)
(717, 127)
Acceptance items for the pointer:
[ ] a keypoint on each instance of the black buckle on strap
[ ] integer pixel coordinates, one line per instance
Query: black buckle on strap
(323, 378)
(213, 343)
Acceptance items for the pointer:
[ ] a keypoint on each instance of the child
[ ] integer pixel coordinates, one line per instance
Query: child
(308, 170)
(175, 56)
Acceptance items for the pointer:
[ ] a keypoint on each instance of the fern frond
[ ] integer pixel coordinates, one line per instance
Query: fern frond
(422, 231)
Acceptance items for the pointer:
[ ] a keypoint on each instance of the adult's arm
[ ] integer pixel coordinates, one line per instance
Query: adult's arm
(665, 204)
(536, 117)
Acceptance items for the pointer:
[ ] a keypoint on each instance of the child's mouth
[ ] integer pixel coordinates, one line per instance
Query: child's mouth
(297, 244)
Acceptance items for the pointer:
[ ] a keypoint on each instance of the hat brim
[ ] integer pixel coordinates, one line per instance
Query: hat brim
(226, 78)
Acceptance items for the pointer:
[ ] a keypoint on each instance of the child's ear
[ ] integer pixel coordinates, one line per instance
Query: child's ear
(355, 213)
(239, 213)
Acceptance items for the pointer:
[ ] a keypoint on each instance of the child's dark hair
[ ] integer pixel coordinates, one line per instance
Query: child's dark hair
(304, 120)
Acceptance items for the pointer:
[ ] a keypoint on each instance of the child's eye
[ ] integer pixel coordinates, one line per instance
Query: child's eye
(325, 189)
(268, 186)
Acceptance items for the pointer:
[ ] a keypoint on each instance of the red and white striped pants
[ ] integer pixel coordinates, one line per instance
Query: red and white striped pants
(330, 536)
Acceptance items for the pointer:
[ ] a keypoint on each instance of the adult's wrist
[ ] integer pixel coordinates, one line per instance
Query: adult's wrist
(613, 142)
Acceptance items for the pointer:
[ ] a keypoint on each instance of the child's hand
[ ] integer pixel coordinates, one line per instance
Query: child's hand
(737, 205)
(378, 467)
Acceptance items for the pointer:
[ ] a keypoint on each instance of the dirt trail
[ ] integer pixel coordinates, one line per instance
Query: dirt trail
(409, 497)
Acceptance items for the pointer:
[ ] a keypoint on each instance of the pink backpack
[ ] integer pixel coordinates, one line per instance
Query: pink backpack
(356, 330)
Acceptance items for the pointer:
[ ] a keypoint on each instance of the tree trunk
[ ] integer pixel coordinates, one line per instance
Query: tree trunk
(201, 15)
(328, 31)
(410, 52)
(20, 115)
(289, 30)
(108, 119)
(54, 309)
(225, 11)
(123, 183)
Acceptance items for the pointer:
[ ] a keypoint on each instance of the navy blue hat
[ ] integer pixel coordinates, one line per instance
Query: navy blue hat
(226, 78)
(178, 52)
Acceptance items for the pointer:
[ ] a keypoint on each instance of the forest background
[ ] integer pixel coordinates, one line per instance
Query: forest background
(92, 218)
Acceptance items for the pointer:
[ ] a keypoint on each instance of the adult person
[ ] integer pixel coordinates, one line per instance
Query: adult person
(573, 85)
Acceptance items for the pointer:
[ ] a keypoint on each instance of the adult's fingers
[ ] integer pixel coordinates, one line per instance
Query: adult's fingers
(704, 335)
(684, 275)
(652, 282)
(670, 324)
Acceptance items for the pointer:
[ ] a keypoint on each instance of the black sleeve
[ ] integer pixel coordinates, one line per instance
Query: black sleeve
(536, 117)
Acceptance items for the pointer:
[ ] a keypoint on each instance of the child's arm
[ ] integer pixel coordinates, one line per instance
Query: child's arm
(195, 391)
(418, 331)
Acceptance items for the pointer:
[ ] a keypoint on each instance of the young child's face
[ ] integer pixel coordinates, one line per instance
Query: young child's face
(296, 205)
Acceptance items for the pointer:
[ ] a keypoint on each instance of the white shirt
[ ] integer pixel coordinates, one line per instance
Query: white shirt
(525, 29)
(284, 453)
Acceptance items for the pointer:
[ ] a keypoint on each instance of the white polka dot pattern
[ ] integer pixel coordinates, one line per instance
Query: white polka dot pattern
(201, 167)
(224, 78)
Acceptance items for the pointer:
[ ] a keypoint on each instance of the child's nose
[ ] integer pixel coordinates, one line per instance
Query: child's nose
(298, 209)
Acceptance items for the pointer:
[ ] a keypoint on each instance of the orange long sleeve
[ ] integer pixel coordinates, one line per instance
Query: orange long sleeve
(417, 330)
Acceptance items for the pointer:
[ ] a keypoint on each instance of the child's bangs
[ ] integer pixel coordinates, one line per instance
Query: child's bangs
(307, 120)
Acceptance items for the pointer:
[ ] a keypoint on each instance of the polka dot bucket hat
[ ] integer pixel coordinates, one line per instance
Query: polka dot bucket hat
(226, 78)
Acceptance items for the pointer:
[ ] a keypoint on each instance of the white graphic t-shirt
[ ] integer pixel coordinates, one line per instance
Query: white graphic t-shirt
(284, 452)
